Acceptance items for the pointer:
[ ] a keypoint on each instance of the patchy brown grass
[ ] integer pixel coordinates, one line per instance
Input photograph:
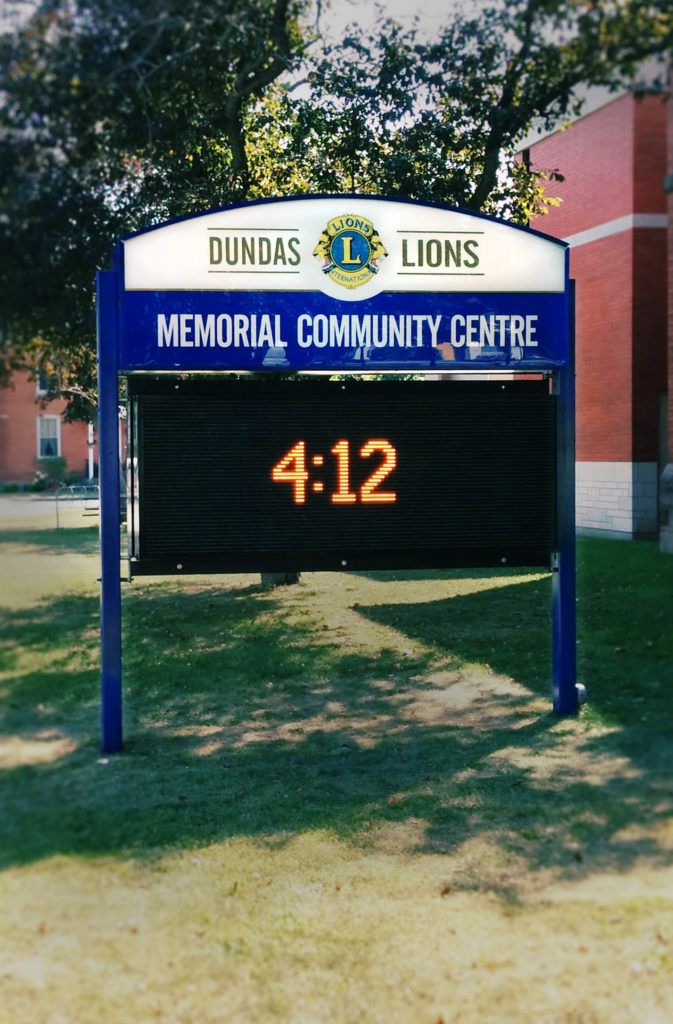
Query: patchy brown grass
(340, 803)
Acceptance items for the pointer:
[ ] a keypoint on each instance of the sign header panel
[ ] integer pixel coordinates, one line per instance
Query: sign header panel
(347, 248)
(341, 284)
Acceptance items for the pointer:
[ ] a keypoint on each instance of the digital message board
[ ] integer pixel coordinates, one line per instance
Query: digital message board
(301, 475)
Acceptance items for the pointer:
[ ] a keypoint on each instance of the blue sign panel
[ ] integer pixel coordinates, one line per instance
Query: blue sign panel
(240, 330)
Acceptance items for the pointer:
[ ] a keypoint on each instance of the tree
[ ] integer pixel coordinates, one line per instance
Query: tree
(114, 116)
(440, 120)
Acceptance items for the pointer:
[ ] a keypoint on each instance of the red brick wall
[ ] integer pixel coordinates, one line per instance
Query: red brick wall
(603, 344)
(650, 155)
(613, 162)
(594, 157)
(19, 409)
(649, 339)
(669, 170)
(650, 277)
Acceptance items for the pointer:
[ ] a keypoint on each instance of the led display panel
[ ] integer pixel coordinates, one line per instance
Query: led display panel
(249, 475)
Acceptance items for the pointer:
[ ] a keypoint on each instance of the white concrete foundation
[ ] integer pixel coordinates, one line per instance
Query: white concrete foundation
(617, 498)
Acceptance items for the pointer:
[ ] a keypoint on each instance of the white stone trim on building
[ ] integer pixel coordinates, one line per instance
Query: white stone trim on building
(613, 227)
(619, 499)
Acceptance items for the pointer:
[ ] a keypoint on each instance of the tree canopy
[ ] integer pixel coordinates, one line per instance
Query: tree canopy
(117, 115)
(114, 116)
(442, 119)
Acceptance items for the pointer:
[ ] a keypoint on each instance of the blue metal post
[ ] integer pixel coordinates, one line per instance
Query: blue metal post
(108, 460)
(564, 632)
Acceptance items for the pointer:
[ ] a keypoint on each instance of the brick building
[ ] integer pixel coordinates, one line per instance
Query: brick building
(666, 497)
(32, 428)
(614, 215)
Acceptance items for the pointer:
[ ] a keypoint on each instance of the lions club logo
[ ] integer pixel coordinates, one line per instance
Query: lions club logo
(350, 250)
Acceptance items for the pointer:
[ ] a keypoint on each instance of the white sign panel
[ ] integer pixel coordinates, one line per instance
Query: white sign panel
(347, 248)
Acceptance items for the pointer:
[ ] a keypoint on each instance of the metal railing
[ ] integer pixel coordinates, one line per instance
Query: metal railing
(86, 494)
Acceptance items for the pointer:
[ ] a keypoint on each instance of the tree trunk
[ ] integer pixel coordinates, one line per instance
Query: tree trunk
(279, 579)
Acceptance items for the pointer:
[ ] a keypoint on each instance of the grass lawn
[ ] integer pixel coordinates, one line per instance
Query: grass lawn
(344, 802)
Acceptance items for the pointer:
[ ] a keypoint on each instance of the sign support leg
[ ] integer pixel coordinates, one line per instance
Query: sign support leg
(564, 632)
(108, 461)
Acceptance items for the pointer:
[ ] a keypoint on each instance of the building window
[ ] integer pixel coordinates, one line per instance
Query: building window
(48, 436)
(43, 386)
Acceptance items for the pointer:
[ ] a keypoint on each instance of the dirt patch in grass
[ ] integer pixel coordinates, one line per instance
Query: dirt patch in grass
(339, 803)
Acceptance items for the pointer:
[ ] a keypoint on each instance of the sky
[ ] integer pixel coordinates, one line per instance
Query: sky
(337, 14)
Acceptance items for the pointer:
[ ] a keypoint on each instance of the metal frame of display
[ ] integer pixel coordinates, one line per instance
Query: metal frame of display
(113, 319)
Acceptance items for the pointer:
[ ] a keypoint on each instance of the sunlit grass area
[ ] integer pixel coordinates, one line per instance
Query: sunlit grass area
(344, 801)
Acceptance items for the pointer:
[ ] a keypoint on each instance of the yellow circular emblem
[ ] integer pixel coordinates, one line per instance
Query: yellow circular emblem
(350, 249)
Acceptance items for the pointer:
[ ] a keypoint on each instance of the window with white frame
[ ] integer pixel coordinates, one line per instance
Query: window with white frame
(43, 384)
(48, 436)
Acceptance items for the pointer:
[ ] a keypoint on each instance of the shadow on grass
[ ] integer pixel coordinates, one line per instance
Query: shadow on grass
(65, 631)
(625, 654)
(508, 627)
(83, 539)
(246, 715)
(388, 575)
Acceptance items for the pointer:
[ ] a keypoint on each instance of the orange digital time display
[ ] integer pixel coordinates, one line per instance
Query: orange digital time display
(291, 469)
